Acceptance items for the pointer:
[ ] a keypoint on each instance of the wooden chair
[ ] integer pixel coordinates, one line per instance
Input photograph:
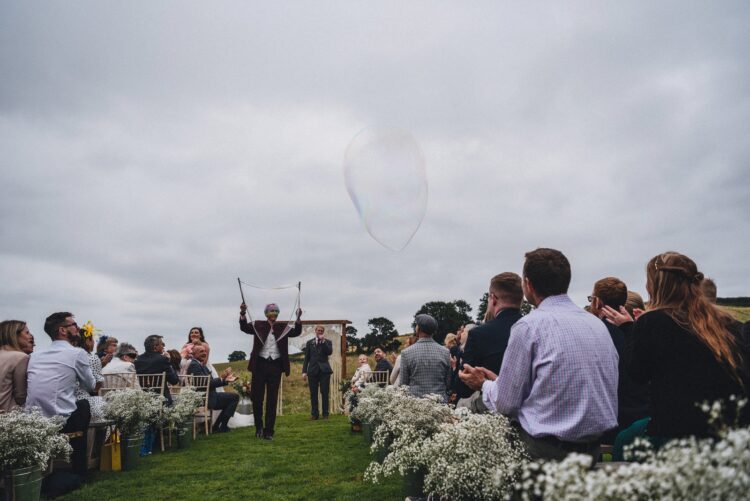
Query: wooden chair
(154, 383)
(118, 381)
(201, 385)
(377, 377)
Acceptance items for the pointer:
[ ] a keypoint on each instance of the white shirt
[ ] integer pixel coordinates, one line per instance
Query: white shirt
(52, 377)
(271, 348)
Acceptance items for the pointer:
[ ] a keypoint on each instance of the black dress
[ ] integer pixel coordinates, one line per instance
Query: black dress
(683, 373)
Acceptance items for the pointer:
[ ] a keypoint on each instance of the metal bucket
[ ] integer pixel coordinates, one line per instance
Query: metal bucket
(414, 482)
(367, 432)
(245, 407)
(130, 449)
(184, 437)
(23, 484)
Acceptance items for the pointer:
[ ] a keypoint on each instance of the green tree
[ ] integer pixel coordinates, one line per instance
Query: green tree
(449, 315)
(382, 333)
(236, 356)
(482, 310)
(352, 341)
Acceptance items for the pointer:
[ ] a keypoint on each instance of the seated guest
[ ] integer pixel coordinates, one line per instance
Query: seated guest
(226, 402)
(26, 341)
(381, 361)
(708, 287)
(634, 304)
(450, 341)
(122, 363)
(86, 342)
(395, 378)
(175, 360)
(632, 398)
(361, 376)
(105, 349)
(558, 378)
(13, 365)
(52, 376)
(688, 349)
(426, 366)
(195, 338)
(486, 344)
(155, 361)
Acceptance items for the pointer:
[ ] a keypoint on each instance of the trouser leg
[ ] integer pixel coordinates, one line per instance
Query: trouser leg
(257, 392)
(79, 421)
(313, 382)
(325, 391)
(273, 382)
(227, 403)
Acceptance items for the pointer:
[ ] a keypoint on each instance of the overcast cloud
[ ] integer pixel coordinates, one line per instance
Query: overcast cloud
(152, 152)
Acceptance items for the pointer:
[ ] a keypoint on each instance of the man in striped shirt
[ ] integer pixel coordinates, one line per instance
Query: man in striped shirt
(559, 375)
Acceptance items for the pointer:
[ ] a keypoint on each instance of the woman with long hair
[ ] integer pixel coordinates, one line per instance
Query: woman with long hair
(13, 365)
(688, 349)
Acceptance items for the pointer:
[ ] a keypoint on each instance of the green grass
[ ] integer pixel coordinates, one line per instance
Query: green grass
(740, 313)
(308, 460)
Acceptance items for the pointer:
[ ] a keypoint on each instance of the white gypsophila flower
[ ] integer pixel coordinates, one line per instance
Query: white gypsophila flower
(132, 409)
(405, 422)
(479, 457)
(28, 438)
(183, 406)
(681, 470)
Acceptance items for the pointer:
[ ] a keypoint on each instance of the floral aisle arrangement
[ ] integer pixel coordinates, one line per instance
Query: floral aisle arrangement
(183, 407)
(242, 384)
(27, 438)
(132, 409)
(681, 470)
(405, 424)
(371, 403)
(480, 457)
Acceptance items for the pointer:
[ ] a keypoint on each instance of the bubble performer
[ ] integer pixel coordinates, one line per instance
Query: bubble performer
(268, 359)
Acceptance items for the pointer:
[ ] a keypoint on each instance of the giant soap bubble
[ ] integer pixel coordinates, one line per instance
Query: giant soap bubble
(384, 169)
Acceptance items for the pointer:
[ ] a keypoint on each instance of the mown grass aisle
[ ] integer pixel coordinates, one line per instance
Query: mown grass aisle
(307, 460)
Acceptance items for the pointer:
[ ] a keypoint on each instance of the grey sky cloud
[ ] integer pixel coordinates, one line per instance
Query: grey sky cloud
(153, 152)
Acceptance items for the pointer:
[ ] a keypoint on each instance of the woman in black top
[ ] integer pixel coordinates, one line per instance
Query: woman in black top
(689, 350)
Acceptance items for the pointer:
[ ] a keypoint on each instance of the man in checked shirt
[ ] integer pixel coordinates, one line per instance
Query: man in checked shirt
(426, 365)
(558, 379)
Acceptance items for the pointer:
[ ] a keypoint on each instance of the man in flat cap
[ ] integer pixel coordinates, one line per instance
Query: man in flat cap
(426, 365)
(269, 358)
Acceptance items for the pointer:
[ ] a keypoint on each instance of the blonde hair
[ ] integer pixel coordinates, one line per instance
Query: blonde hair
(451, 340)
(674, 286)
(9, 331)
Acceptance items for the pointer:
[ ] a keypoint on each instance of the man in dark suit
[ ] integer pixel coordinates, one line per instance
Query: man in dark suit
(226, 402)
(317, 371)
(486, 343)
(154, 361)
(269, 358)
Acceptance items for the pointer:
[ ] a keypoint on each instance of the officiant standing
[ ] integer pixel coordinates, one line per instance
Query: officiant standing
(269, 358)
(317, 371)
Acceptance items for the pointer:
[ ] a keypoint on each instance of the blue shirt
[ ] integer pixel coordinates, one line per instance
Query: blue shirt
(559, 374)
(52, 377)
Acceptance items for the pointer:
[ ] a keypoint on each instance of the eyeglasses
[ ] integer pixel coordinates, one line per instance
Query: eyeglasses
(74, 324)
(591, 298)
(131, 355)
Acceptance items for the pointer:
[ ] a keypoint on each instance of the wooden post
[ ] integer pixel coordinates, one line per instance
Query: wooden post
(344, 351)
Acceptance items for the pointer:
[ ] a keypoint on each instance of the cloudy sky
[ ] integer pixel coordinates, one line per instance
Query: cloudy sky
(152, 152)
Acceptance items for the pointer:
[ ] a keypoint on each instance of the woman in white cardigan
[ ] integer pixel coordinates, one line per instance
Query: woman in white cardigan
(121, 367)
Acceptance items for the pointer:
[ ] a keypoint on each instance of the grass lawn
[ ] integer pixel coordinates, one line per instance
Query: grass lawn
(307, 460)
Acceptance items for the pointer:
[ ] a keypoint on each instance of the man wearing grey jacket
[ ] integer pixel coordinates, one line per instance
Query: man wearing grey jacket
(426, 365)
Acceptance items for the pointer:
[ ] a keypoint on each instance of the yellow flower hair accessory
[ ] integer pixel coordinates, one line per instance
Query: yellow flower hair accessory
(88, 330)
